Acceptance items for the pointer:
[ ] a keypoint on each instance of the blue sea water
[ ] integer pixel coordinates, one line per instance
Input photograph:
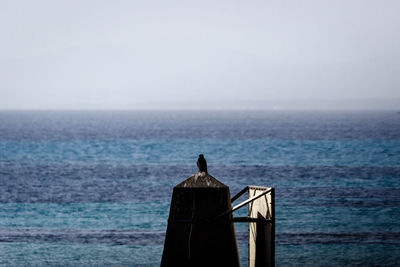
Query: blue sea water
(82, 188)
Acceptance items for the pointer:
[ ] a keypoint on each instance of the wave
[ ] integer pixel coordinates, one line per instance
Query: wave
(72, 183)
(152, 238)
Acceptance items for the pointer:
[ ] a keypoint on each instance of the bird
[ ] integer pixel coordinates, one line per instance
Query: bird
(202, 163)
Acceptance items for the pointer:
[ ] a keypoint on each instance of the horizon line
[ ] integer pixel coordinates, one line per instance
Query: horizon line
(202, 109)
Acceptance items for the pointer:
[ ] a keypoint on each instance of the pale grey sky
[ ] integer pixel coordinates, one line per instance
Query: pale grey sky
(199, 54)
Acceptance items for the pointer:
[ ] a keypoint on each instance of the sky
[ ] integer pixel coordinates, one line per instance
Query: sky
(308, 54)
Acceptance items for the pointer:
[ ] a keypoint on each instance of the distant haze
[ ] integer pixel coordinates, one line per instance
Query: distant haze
(310, 54)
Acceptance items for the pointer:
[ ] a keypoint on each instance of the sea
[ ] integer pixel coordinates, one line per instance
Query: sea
(93, 188)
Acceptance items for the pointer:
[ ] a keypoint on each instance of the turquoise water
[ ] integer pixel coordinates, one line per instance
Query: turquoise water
(93, 188)
(221, 152)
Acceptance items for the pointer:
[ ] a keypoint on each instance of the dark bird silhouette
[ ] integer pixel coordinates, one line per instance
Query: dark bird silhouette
(202, 163)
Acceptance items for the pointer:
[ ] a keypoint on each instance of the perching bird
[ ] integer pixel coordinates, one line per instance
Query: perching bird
(202, 163)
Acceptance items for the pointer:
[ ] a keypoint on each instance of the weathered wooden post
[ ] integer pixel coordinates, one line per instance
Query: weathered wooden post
(261, 220)
(262, 232)
(197, 234)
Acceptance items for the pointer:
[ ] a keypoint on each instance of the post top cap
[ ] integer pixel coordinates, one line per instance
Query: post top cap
(201, 180)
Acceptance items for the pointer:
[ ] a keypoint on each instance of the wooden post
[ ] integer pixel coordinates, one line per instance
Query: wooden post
(262, 232)
(196, 234)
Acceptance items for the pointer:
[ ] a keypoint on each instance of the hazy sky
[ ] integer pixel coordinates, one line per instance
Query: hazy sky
(199, 54)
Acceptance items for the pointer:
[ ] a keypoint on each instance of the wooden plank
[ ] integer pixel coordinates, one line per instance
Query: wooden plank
(252, 199)
(239, 194)
(248, 219)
